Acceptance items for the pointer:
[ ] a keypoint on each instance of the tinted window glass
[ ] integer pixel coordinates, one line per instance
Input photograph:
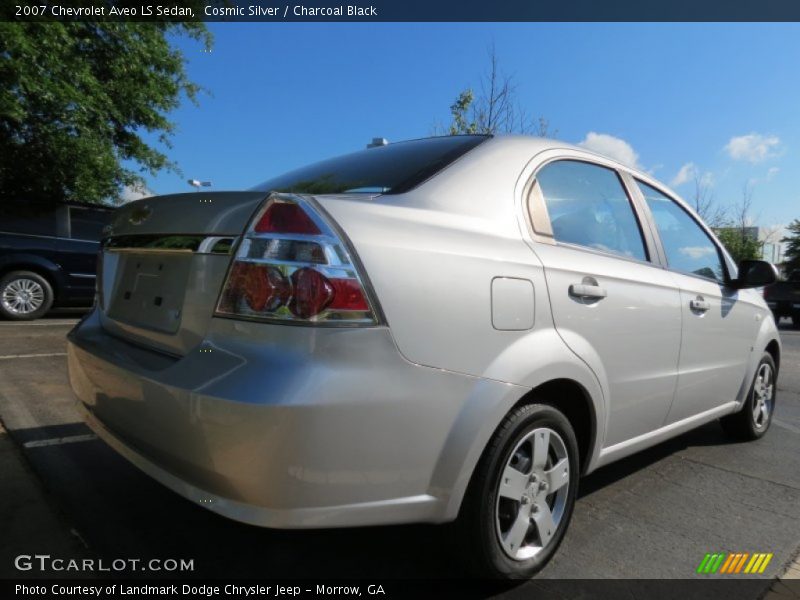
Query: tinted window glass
(394, 168)
(28, 217)
(687, 246)
(87, 223)
(588, 206)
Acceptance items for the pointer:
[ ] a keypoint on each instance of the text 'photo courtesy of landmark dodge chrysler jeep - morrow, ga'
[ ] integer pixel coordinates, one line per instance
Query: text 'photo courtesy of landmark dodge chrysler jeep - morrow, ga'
(452, 328)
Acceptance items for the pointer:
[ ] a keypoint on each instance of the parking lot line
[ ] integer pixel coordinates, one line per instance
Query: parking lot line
(61, 323)
(12, 356)
(70, 439)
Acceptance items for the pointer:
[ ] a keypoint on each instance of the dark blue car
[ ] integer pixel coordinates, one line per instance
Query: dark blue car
(48, 256)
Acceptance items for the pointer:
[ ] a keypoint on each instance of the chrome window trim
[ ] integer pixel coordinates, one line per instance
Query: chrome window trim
(141, 244)
(49, 237)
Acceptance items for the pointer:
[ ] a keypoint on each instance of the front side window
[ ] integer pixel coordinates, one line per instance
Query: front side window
(588, 206)
(688, 247)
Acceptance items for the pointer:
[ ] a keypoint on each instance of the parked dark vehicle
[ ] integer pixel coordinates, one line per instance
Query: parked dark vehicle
(48, 256)
(783, 298)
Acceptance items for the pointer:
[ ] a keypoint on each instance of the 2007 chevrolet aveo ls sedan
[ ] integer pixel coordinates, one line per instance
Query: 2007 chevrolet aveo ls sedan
(440, 329)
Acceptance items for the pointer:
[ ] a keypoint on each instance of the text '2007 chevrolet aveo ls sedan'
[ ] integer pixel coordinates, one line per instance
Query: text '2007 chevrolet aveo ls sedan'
(441, 329)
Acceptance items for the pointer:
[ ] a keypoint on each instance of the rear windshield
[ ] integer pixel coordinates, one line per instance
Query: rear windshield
(391, 169)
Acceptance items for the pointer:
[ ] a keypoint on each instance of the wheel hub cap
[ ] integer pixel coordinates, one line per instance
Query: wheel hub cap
(532, 493)
(763, 396)
(22, 296)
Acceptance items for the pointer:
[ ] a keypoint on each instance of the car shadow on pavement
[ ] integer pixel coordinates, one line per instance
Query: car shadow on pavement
(710, 434)
(121, 512)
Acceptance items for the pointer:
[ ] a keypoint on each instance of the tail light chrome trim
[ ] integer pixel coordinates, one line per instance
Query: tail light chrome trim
(294, 265)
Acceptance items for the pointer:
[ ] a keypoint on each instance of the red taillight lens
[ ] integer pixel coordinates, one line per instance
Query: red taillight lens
(313, 293)
(348, 295)
(286, 217)
(262, 287)
(292, 266)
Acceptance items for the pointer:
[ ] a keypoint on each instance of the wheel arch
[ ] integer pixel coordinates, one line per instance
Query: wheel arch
(573, 400)
(573, 391)
(774, 350)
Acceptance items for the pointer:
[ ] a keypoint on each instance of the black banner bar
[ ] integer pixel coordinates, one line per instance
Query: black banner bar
(684, 589)
(374, 11)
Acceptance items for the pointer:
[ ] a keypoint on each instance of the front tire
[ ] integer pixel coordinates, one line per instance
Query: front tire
(24, 296)
(520, 500)
(754, 418)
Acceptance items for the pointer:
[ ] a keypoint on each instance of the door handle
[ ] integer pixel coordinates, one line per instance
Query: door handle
(699, 304)
(585, 290)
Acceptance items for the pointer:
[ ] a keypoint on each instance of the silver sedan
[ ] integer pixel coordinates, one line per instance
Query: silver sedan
(440, 329)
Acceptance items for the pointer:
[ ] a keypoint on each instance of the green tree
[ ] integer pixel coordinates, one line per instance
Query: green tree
(792, 242)
(740, 243)
(735, 229)
(459, 111)
(76, 99)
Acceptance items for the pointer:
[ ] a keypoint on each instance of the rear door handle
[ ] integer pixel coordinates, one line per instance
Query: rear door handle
(699, 304)
(584, 290)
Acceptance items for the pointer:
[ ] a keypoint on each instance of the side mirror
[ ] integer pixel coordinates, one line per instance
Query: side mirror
(755, 273)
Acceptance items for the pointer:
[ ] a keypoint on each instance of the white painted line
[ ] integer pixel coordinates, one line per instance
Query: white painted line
(12, 356)
(71, 439)
(64, 323)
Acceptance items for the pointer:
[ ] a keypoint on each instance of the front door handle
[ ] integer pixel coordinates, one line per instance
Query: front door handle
(584, 290)
(699, 304)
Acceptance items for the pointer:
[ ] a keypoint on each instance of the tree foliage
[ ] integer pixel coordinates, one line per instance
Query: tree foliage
(495, 108)
(734, 227)
(792, 242)
(75, 100)
(740, 243)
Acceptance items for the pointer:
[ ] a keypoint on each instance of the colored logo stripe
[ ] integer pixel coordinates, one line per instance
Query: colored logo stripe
(734, 563)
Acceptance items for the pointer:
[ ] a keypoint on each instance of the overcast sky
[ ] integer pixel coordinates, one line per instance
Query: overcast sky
(719, 101)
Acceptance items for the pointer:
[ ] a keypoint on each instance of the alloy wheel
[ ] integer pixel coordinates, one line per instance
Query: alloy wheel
(532, 493)
(22, 296)
(763, 395)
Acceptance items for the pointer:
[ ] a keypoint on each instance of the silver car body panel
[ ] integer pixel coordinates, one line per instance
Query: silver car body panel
(288, 426)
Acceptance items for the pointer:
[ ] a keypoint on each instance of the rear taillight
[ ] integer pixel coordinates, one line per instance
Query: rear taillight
(292, 266)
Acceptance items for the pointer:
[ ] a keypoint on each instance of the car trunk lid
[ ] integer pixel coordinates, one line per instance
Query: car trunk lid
(164, 262)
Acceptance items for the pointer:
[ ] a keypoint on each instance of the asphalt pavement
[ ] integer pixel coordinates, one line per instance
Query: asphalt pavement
(651, 516)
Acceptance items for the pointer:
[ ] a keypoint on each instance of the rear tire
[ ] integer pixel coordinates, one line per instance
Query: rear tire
(754, 418)
(520, 499)
(24, 296)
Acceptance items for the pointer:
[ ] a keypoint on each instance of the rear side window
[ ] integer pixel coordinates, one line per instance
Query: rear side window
(391, 169)
(588, 206)
(29, 218)
(688, 247)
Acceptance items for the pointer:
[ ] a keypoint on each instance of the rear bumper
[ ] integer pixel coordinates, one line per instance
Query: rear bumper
(287, 427)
